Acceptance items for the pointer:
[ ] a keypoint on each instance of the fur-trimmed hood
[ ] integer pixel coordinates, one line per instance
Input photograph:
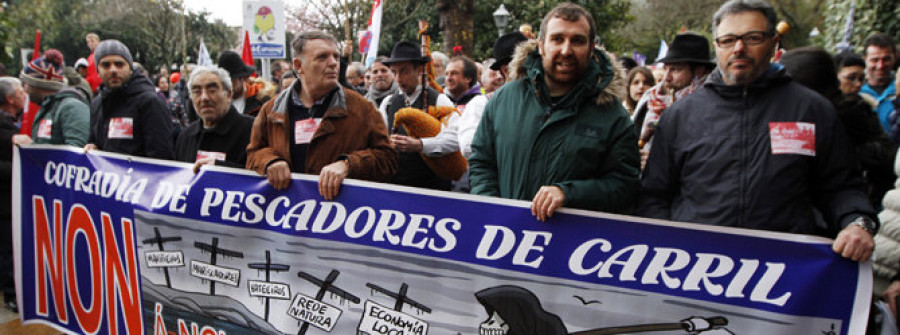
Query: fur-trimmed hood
(609, 90)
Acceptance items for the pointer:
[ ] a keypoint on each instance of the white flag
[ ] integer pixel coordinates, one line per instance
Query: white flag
(203, 56)
(663, 50)
(370, 39)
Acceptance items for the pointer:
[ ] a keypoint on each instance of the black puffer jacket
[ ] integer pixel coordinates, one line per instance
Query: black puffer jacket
(712, 161)
(138, 103)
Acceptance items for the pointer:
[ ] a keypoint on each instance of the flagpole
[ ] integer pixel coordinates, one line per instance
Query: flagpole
(37, 46)
(183, 36)
(347, 34)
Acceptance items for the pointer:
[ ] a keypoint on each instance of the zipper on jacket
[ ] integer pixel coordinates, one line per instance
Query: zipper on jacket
(742, 205)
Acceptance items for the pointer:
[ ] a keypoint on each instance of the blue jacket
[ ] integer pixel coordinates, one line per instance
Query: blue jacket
(885, 103)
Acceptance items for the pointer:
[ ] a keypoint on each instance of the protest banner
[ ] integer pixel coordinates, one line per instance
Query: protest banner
(109, 244)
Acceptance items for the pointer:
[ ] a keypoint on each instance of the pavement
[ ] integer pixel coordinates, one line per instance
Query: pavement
(9, 325)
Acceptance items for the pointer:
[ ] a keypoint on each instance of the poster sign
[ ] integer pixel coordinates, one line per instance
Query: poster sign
(265, 20)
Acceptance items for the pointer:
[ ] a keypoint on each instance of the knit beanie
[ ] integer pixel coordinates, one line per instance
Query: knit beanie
(112, 47)
(45, 72)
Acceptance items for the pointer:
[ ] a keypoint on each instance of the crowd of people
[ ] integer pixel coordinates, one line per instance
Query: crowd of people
(801, 142)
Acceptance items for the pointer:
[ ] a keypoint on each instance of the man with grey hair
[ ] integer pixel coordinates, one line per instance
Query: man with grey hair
(754, 149)
(318, 127)
(221, 135)
(356, 72)
(12, 96)
(440, 62)
(279, 67)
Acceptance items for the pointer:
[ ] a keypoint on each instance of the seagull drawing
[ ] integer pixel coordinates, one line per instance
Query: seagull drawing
(585, 302)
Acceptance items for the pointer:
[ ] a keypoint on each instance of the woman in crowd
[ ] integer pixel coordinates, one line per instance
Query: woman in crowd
(640, 79)
(851, 72)
(162, 86)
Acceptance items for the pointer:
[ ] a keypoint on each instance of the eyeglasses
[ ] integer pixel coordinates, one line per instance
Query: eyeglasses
(750, 38)
(858, 78)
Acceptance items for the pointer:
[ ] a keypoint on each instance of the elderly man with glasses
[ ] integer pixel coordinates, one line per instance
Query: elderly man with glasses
(753, 149)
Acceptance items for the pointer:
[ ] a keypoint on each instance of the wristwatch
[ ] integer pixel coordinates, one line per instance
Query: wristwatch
(866, 224)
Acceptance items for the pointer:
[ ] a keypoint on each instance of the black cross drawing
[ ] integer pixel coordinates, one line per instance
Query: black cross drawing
(268, 266)
(159, 240)
(400, 297)
(326, 285)
(215, 251)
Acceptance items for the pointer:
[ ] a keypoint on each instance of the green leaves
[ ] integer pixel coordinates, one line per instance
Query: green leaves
(870, 16)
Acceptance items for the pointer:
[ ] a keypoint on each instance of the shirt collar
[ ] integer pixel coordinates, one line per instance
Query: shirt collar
(295, 98)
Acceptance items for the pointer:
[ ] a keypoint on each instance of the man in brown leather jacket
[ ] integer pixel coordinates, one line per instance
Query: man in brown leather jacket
(318, 127)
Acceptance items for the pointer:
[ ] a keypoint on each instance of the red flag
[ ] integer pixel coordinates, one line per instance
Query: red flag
(247, 55)
(31, 109)
(37, 46)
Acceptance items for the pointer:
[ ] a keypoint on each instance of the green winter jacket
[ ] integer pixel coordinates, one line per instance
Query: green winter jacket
(585, 144)
(68, 117)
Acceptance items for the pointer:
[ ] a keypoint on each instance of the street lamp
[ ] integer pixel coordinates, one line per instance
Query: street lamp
(501, 19)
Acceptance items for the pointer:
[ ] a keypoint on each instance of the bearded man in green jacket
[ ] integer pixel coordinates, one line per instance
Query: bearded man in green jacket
(557, 134)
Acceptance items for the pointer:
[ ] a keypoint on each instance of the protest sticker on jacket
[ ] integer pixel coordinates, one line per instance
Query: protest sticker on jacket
(797, 138)
(115, 245)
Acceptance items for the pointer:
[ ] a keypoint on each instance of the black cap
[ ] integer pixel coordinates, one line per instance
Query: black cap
(504, 47)
(688, 48)
(406, 51)
(232, 62)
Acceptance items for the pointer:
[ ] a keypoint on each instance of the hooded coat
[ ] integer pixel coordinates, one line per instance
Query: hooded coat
(712, 161)
(521, 310)
(584, 143)
(68, 117)
(137, 104)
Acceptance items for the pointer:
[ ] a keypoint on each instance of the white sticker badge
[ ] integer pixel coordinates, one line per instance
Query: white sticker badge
(305, 129)
(45, 128)
(798, 138)
(121, 128)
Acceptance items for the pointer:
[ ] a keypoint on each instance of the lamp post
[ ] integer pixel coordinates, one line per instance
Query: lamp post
(501, 19)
